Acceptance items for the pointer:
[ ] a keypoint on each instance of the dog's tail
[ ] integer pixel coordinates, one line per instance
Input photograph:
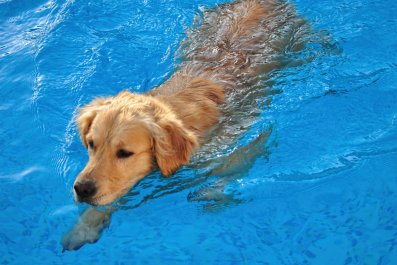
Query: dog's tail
(237, 42)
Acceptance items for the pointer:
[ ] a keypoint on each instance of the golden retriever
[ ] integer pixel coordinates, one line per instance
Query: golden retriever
(224, 59)
(129, 134)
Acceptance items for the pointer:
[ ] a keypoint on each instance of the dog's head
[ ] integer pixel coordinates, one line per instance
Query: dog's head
(125, 135)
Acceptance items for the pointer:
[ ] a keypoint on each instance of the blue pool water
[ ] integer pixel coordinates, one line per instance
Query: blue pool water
(322, 189)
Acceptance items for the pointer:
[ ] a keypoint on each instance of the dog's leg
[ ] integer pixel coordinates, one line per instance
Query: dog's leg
(241, 160)
(88, 228)
(230, 168)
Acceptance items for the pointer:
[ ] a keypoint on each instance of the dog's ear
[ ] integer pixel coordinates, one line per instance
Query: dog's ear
(173, 146)
(87, 114)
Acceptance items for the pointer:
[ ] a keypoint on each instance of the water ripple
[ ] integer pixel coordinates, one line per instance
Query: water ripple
(16, 177)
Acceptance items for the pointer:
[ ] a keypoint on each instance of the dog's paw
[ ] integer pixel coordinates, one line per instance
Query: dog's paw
(87, 230)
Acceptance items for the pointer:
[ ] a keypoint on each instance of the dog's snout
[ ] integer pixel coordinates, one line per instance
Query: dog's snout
(85, 189)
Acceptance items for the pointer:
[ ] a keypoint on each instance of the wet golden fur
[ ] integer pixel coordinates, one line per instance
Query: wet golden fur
(165, 126)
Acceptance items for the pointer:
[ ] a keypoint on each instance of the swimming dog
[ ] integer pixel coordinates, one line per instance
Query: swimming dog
(129, 134)
(228, 52)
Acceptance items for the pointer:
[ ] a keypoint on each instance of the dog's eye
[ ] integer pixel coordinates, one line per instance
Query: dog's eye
(123, 153)
(91, 144)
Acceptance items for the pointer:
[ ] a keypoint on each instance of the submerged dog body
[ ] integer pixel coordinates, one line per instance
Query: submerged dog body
(129, 134)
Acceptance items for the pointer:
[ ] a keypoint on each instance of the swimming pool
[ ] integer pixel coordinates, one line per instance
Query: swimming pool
(323, 191)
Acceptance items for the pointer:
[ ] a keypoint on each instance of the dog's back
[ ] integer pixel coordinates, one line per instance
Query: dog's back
(230, 50)
(237, 43)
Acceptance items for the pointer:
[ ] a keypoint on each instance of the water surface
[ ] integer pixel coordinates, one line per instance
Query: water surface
(321, 190)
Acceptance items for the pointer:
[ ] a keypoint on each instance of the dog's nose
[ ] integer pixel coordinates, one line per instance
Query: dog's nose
(85, 189)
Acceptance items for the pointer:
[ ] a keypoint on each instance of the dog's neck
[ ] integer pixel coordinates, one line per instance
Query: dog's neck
(194, 100)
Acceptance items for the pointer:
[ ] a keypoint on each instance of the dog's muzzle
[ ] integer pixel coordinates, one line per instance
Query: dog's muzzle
(85, 190)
